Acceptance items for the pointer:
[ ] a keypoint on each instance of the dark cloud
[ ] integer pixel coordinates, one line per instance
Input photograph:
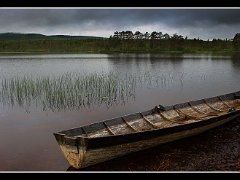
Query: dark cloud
(209, 22)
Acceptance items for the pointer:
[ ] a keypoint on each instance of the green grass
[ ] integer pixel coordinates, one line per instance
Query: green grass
(68, 91)
(113, 46)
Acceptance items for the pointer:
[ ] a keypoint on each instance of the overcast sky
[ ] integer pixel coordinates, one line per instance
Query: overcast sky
(202, 23)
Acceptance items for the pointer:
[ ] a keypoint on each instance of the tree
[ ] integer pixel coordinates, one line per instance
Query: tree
(146, 35)
(154, 35)
(166, 36)
(116, 35)
(236, 41)
(177, 37)
(159, 35)
(237, 37)
(137, 35)
(129, 34)
(121, 35)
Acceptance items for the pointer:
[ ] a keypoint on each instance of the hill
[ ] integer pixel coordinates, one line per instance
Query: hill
(33, 36)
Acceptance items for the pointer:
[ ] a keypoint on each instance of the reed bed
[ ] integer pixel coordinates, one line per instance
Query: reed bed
(68, 91)
(73, 91)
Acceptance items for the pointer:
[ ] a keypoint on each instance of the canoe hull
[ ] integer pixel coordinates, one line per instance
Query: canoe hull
(82, 155)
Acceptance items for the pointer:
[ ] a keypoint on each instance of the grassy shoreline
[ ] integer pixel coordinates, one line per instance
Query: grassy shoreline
(108, 46)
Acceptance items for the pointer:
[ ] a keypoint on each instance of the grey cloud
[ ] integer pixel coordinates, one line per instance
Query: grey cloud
(50, 20)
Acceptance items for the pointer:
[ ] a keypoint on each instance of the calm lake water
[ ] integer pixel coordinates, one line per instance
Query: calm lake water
(135, 82)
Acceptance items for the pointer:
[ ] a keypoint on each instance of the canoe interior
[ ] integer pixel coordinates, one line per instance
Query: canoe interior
(158, 118)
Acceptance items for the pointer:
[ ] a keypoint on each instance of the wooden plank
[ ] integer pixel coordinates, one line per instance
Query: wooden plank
(223, 102)
(195, 109)
(86, 134)
(144, 118)
(171, 120)
(184, 114)
(213, 108)
(129, 125)
(206, 114)
(109, 130)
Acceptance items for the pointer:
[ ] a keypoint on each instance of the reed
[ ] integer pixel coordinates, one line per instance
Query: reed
(73, 91)
(68, 91)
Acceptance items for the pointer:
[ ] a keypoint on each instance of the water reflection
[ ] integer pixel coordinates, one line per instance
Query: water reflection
(145, 62)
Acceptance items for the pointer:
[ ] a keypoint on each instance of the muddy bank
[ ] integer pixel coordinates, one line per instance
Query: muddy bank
(215, 150)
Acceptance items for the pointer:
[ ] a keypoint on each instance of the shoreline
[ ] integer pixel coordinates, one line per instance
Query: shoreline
(118, 52)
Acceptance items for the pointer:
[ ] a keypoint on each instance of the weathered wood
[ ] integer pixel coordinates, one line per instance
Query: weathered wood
(201, 112)
(99, 142)
(195, 109)
(85, 133)
(187, 116)
(129, 125)
(171, 120)
(223, 102)
(153, 125)
(109, 130)
(215, 109)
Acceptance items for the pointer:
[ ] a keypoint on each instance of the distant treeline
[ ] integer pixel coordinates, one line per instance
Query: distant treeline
(125, 41)
(153, 36)
(35, 36)
(146, 35)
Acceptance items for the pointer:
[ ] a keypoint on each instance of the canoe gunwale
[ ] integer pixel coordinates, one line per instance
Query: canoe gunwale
(181, 105)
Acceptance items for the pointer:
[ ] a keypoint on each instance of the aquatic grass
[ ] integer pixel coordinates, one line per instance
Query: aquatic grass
(73, 91)
(68, 91)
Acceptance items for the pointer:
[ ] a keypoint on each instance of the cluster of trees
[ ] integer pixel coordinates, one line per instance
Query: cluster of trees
(146, 35)
(159, 35)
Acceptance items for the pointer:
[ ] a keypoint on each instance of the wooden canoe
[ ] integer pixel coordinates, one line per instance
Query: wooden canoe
(102, 141)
